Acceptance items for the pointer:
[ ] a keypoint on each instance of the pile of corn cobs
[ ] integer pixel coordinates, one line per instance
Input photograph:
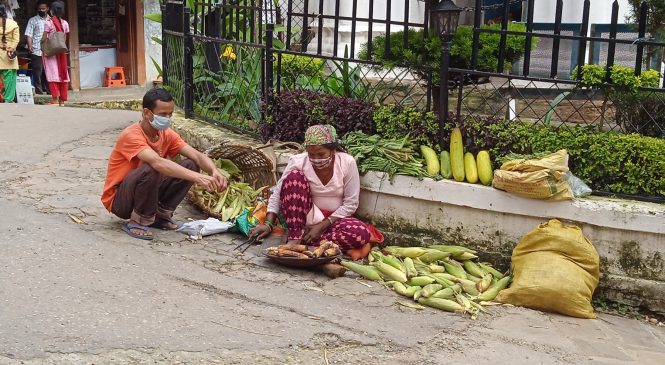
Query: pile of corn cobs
(440, 276)
(231, 202)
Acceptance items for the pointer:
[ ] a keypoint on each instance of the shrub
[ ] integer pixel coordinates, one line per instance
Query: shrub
(295, 66)
(480, 133)
(293, 111)
(393, 121)
(461, 49)
(623, 77)
(637, 110)
(610, 161)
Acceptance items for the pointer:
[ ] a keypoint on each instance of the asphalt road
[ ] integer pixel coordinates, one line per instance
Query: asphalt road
(84, 293)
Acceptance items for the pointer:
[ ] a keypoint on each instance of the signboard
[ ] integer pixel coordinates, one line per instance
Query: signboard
(24, 90)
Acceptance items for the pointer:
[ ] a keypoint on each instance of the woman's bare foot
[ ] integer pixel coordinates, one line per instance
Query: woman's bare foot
(359, 253)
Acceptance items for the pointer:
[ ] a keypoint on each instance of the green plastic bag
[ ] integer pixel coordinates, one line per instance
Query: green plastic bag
(249, 219)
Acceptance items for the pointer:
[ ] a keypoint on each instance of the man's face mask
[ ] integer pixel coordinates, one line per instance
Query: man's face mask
(160, 123)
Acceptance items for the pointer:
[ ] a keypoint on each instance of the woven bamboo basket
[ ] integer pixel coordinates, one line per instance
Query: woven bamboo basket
(256, 169)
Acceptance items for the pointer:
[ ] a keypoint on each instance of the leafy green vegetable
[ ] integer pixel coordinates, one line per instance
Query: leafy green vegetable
(392, 156)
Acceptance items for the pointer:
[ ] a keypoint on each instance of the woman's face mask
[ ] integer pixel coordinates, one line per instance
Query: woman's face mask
(320, 163)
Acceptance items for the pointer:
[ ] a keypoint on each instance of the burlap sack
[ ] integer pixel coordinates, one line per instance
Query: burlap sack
(555, 269)
(538, 179)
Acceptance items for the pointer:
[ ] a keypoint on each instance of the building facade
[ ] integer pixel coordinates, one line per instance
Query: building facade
(103, 33)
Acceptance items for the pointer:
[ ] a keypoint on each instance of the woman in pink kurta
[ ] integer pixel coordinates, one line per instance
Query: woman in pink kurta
(55, 66)
(318, 195)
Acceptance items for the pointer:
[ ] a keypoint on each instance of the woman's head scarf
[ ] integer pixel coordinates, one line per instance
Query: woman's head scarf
(318, 135)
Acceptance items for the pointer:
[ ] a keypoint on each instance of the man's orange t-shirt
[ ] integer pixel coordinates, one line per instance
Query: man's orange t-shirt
(124, 156)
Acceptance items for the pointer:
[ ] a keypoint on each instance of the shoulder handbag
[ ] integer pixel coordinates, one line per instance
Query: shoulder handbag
(54, 44)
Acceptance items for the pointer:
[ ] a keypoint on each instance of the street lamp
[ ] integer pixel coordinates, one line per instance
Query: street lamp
(444, 17)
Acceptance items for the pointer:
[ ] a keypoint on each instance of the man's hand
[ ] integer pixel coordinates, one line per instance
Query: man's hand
(220, 179)
(313, 233)
(219, 182)
(211, 183)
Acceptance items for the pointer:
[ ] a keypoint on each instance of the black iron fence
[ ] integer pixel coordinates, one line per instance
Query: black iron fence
(224, 60)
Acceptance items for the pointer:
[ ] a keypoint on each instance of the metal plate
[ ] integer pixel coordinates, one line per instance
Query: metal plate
(298, 262)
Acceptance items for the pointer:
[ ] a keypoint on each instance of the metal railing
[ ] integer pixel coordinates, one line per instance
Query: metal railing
(315, 45)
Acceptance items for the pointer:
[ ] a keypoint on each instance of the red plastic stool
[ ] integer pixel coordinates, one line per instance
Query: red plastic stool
(114, 77)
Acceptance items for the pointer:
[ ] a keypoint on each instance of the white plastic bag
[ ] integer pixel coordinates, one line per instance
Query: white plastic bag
(577, 186)
(201, 228)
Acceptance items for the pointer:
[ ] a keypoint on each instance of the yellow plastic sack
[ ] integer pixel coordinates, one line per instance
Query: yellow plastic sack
(557, 161)
(538, 179)
(555, 269)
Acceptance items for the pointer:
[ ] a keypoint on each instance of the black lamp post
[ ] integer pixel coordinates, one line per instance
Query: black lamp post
(444, 17)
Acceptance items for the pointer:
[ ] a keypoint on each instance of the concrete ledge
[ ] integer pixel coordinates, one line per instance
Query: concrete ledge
(629, 235)
(610, 213)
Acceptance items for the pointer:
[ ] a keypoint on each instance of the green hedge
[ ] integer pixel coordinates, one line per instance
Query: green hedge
(609, 161)
(620, 163)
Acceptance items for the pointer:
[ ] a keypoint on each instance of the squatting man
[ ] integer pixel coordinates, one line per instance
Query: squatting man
(143, 184)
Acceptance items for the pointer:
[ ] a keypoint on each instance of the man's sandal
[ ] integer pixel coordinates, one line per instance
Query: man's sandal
(127, 227)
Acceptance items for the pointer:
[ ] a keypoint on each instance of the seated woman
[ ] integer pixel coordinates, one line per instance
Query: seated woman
(318, 195)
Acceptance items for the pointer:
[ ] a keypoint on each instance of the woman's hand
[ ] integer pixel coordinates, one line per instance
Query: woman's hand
(313, 233)
(262, 231)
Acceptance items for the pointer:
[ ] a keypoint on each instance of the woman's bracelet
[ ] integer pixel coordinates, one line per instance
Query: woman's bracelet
(269, 224)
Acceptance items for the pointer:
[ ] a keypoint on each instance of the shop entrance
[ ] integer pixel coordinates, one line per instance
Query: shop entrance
(103, 33)
(110, 34)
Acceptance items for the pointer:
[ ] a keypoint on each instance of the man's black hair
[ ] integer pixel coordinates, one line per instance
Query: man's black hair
(3, 10)
(42, 2)
(150, 98)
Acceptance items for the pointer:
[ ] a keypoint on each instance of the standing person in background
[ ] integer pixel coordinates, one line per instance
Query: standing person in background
(9, 37)
(34, 32)
(55, 66)
(8, 8)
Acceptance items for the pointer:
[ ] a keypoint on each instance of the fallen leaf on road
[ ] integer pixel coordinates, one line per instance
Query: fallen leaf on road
(76, 219)
(490, 304)
(313, 288)
(410, 305)
(361, 283)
